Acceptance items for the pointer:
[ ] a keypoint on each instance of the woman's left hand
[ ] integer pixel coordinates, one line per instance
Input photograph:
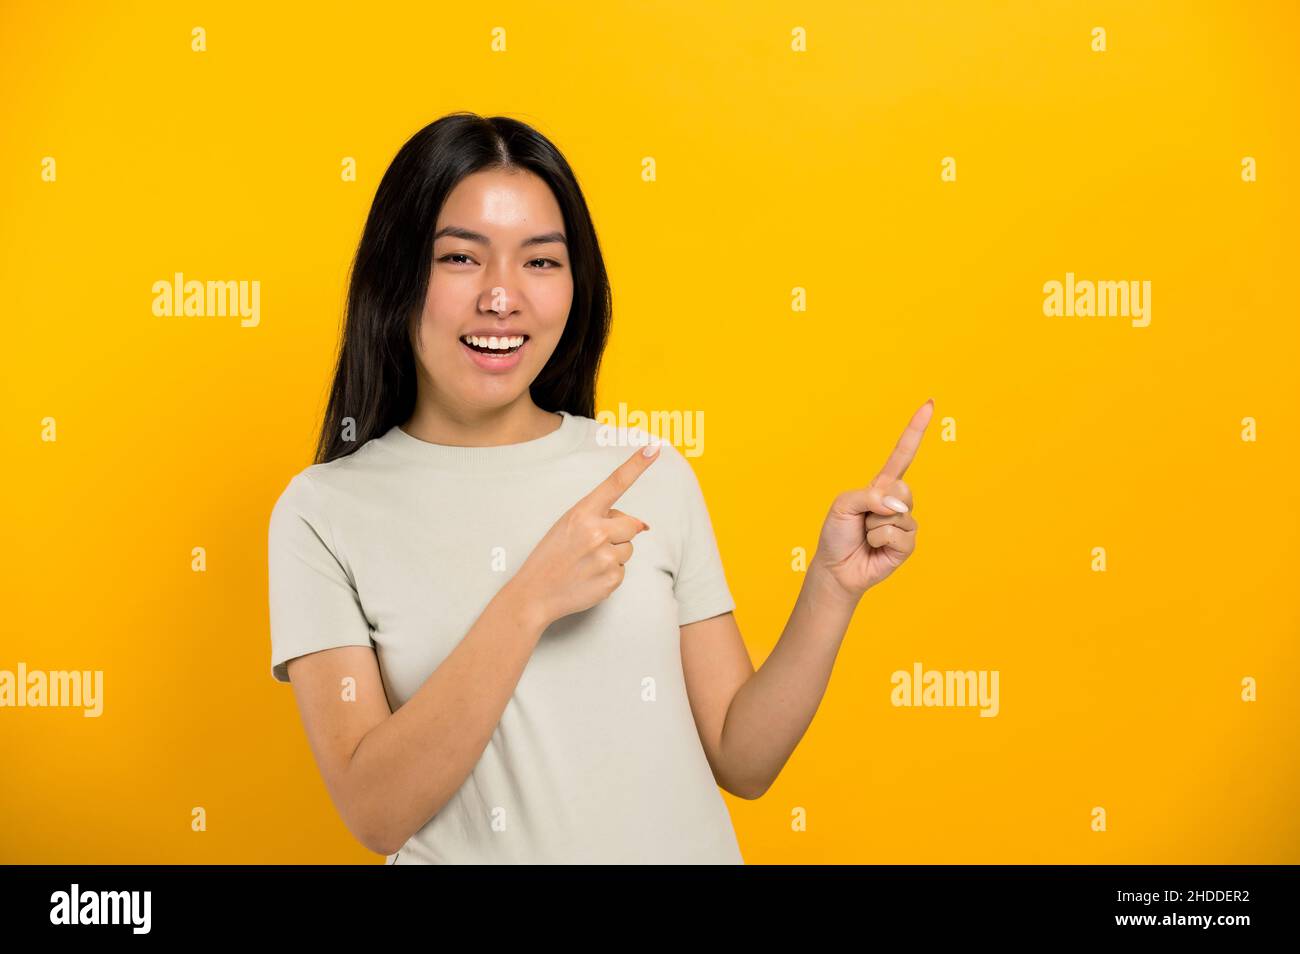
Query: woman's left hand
(864, 538)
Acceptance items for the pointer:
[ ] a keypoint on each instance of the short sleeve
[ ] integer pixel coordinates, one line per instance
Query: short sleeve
(700, 584)
(313, 603)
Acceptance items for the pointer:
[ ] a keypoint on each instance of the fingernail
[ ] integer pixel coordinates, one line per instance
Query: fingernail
(644, 525)
(651, 449)
(893, 503)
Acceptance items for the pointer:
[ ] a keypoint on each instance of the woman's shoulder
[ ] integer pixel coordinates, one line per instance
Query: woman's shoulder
(311, 487)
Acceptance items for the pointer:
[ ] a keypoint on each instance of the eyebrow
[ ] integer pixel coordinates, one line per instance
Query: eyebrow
(469, 235)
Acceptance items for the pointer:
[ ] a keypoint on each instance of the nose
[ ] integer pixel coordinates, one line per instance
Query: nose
(498, 299)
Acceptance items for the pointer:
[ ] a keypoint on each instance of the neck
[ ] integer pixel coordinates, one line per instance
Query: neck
(521, 420)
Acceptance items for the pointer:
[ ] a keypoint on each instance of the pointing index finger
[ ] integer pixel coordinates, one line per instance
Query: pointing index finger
(907, 445)
(609, 490)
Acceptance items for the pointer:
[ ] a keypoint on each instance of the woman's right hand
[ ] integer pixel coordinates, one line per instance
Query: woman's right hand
(579, 561)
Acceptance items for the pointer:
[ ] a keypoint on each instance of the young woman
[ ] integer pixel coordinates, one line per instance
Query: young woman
(485, 671)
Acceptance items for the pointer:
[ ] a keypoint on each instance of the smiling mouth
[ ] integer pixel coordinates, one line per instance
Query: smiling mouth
(484, 345)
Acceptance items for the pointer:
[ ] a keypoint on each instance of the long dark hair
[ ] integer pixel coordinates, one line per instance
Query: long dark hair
(375, 377)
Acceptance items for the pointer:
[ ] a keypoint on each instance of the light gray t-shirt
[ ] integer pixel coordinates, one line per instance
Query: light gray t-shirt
(596, 759)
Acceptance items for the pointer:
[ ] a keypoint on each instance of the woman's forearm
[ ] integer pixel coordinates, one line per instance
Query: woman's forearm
(410, 765)
(774, 707)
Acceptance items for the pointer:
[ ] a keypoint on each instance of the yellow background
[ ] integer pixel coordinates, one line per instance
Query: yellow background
(776, 169)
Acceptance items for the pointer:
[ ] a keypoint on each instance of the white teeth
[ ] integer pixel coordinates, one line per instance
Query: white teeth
(500, 344)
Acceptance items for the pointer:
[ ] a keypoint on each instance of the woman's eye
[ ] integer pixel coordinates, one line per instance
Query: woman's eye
(460, 258)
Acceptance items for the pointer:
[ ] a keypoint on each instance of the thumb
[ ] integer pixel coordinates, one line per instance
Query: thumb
(862, 500)
(615, 512)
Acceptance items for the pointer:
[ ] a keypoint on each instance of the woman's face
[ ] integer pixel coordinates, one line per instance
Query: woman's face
(500, 269)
